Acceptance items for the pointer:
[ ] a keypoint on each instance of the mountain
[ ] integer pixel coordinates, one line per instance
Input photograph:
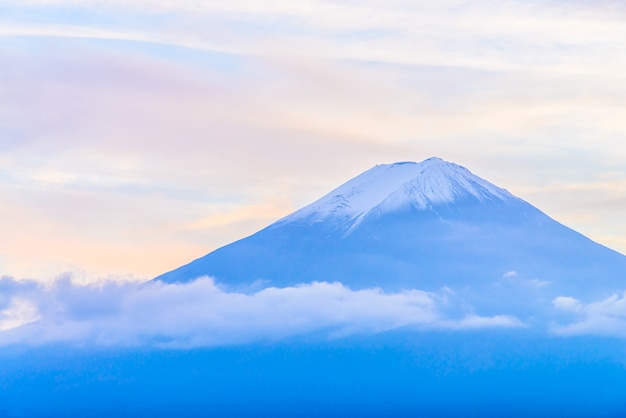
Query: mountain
(432, 226)
(428, 225)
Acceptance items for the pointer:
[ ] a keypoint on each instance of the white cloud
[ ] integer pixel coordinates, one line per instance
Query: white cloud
(605, 317)
(513, 36)
(201, 314)
(19, 312)
(477, 322)
(567, 303)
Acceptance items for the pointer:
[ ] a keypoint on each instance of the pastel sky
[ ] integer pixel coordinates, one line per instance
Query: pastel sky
(137, 135)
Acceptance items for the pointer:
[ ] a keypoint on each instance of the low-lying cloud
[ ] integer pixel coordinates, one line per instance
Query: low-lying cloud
(200, 313)
(606, 317)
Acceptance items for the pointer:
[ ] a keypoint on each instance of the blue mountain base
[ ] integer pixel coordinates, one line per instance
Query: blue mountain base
(401, 373)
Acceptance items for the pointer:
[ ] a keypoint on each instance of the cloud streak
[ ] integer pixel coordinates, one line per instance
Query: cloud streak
(447, 33)
(200, 314)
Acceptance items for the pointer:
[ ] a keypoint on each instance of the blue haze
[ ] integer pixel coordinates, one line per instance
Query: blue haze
(481, 374)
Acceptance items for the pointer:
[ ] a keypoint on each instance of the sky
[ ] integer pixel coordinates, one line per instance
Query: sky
(138, 135)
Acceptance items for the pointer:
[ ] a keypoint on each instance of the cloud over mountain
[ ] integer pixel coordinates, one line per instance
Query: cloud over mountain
(605, 317)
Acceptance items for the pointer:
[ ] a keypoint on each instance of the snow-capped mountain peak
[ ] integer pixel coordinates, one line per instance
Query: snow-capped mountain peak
(418, 226)
(388, 187)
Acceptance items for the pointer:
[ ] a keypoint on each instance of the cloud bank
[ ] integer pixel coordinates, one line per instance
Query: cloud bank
(200, 314)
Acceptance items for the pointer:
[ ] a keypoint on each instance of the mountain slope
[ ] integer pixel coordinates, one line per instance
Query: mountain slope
(423, 225)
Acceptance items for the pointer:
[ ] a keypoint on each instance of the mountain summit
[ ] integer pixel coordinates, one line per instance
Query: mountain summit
(427, 225)
(389, 188)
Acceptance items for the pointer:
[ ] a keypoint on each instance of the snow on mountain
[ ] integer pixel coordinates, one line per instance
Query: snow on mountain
(389, 187)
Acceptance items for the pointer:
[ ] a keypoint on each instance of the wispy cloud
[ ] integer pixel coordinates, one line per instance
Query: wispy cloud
(448, 33)
(201, 314)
